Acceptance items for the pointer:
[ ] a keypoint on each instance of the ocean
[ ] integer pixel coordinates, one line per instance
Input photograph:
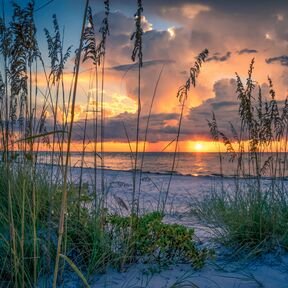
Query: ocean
(194, 164)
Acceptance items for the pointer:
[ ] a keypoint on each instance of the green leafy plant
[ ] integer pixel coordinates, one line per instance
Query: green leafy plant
(156, 241)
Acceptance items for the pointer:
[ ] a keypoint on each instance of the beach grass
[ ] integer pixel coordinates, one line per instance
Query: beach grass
(90, 242)
(53, 226)
(251, 214)
(248, 222)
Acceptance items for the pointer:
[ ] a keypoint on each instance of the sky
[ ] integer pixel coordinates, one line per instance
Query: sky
(175, 32)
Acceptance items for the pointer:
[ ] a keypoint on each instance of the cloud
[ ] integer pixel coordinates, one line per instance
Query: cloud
(218, 58)
(164, 126)
(247, 51)
(161, 8)
(134, 66)
(120, 23)
(160, 127)
(283, 60)
(183, 12)
(224, 105)
(224, 33)
(229, 30)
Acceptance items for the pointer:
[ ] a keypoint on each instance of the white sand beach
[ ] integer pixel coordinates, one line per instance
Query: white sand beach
(269, 271)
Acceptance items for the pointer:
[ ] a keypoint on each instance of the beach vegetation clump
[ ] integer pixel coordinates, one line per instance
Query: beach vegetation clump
(244, 222)
(91, 242)
(50, 220)
(252, 212)
(155, 241)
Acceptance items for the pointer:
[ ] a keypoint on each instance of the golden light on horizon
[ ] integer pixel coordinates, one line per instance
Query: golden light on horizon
(203, 146)
(200, 146)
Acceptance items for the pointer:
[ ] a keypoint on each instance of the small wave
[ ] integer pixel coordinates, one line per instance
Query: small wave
(174, 173)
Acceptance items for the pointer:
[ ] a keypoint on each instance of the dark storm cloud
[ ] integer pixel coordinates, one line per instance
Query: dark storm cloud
(218, 58)
(119, 24)
(157, 125)
(115, 131)
(283, 60)
(224, 105)
(247, 51)
(145, 64)
(244, 5)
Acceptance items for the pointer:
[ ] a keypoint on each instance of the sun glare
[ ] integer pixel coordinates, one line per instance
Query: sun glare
(198, 147)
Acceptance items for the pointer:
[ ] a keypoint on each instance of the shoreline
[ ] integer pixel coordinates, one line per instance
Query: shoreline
(175, 173)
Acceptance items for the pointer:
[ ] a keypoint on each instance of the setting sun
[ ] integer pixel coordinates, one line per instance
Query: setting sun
(198, 147)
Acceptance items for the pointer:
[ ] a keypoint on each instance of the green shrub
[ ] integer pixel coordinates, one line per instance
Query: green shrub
(155, 241)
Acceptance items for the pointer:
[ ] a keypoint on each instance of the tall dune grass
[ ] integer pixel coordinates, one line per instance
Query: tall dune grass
(137, 54)
(47, 221)
(254, 214)
(182, 95)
